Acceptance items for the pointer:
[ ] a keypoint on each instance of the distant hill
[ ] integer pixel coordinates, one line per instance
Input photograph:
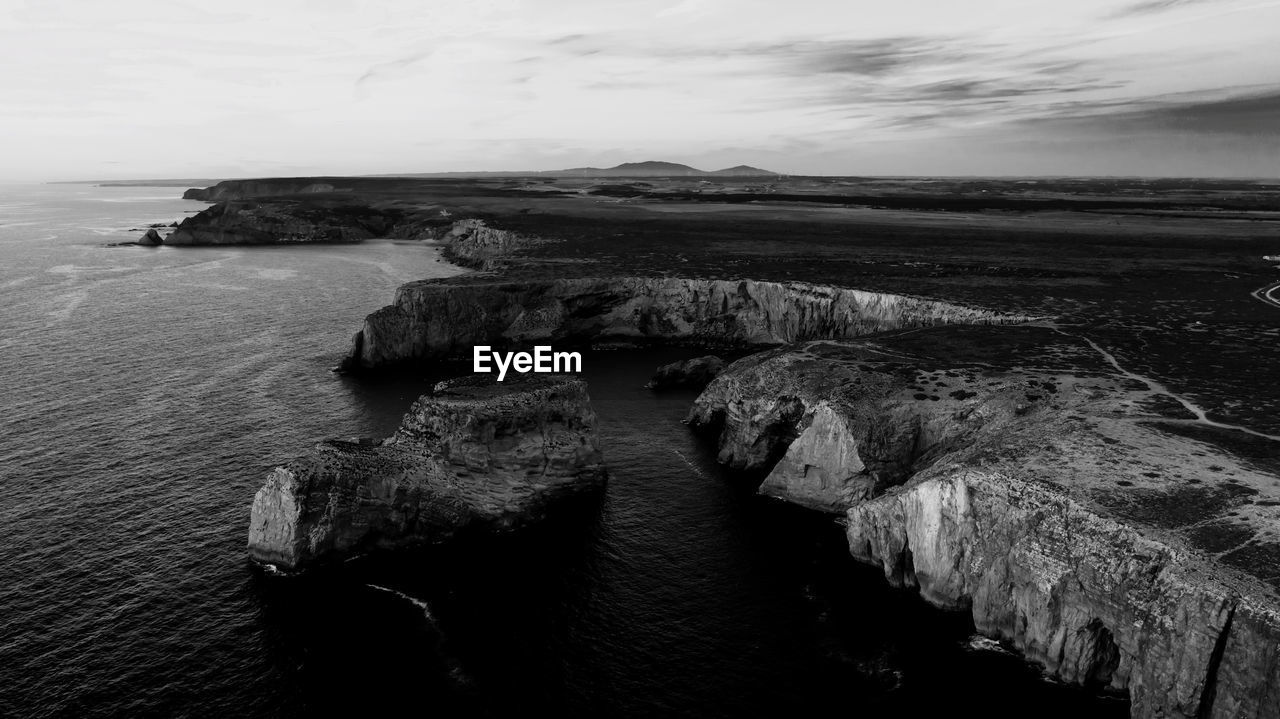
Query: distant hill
(653, 168)
(744, 171)
(649, 168)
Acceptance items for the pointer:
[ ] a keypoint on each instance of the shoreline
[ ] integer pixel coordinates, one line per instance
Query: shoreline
(455, 312)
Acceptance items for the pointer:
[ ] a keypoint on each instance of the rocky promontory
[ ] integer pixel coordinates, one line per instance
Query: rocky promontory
(244, 189)
(1014, 474)
(1077, 511)
(279, 222)
(473, 455)
(433, 320)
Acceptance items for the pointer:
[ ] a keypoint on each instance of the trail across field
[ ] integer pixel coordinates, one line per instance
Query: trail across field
(1267, 294)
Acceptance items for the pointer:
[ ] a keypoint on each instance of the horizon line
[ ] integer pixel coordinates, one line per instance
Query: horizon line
(530, 173)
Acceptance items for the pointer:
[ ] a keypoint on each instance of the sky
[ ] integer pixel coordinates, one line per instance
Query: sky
(169, 88)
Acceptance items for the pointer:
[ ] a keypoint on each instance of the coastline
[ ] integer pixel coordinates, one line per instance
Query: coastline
(1118, 657)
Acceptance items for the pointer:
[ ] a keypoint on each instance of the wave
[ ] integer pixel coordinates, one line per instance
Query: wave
(420, 604)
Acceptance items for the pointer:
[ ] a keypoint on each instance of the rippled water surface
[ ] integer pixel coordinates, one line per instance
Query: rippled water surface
(147, 392)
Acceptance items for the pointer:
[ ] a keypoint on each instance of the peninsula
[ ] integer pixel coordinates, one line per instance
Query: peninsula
(986, 382)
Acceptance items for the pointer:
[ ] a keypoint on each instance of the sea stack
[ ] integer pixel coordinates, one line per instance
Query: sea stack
(473, 455)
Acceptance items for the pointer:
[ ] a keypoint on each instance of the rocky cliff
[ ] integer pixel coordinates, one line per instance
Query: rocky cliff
(831, 423)
(271, 222)
(695, 373)
(432, 320)
(1094, 597)
(245, 189)
(472, 456)
(472, 243)
(1011, 473)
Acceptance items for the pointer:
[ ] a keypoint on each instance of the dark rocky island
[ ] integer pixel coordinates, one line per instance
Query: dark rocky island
(984, 381)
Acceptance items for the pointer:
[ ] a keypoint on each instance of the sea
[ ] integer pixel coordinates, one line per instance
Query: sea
(148, 392)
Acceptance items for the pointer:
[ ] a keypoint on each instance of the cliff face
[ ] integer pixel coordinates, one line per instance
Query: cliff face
(830, 424)
(474, 455)
(244, 189)
(1087, 595)
(432, 320)
(1005, 472)
(280, 222)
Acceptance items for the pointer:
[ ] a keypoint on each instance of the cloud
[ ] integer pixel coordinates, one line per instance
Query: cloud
(394, 67)
(566, 39)
(579, 44)
(304, 81)
(1244, 111)
(872, 58)
(917, 83)
(803, 57)
(1148, 7)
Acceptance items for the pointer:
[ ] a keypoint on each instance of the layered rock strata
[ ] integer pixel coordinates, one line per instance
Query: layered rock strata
(471, 456)
(431, 320)
(1008, 473)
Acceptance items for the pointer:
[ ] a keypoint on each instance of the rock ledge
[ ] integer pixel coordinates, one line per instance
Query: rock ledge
(1011, 473)
(472, 456)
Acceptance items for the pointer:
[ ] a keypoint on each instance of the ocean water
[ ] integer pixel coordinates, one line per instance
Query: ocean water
(147, 391)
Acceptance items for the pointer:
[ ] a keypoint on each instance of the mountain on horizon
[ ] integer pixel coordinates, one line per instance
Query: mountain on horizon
(648, 168)
(657, 168)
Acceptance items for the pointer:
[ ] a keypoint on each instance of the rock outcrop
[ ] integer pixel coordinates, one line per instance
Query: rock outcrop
(151, 238)
(473, 455)
(1011, 473)
(1095, 598)
(472, 243)
(432, 320)
(274, 222)
(694, 373)
(1008, 472)
(245, 189)
(831, 424)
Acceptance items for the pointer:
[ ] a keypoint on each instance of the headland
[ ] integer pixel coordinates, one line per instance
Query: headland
(1035, 401)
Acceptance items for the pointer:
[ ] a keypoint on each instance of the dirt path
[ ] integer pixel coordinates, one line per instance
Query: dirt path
(1158, 387)
(1267, 294)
